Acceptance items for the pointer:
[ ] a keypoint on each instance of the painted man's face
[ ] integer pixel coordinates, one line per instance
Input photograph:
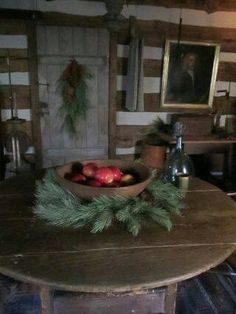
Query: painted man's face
(190, 61)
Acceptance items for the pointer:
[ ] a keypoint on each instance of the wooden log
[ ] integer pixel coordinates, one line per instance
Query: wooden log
(156, 32)
(14, 53)
(209, 6)
(129, 135)
(46, 297)
(22, 91)
(49, 18)
(26, 127)
(227, 71)
(170, 299)
(15, 27)
(151, 101)
(22, 103)
(15, 65)
(151, 68)
(229, 105)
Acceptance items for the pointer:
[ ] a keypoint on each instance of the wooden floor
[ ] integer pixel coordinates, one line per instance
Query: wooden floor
(209, 293)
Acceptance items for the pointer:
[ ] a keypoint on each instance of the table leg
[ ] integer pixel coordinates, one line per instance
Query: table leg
(170, 299)
(1, 302)
(46, 297)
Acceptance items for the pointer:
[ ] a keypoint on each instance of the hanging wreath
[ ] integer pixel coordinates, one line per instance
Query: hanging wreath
(61, 208)
(74, 91)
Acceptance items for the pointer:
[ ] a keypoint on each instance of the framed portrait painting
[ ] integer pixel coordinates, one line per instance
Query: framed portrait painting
(189, 75)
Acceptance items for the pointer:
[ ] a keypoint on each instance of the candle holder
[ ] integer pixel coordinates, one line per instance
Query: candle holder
(16, 144)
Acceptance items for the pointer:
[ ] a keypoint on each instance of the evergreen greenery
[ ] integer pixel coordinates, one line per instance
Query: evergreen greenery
(152, 135)
(73, 88)
(62, 208)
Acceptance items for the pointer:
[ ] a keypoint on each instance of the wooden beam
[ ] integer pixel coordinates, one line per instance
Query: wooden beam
(156, 32)
(52, 18)
(152, 103)
(25, 127)
(170, 299)
(2, 158)
(227, 71)
(151, 68)
(33, 73)
(209, 6)
(15, 27)
(46, 297)
(112, 95)
(128, 135)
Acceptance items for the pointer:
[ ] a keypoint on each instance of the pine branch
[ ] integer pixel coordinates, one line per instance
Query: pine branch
(62, 208)
(74, 92)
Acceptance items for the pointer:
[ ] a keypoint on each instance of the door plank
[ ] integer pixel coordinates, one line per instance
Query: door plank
(84, 45)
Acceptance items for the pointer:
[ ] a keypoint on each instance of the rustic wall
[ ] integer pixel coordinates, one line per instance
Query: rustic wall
(14, 41)
(209, 21)
(156, 24)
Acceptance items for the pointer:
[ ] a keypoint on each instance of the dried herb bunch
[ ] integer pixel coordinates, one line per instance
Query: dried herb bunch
(73, 88)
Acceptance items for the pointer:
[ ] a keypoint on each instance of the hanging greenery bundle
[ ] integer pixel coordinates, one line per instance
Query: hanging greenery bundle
(62, 208)
(74, 91)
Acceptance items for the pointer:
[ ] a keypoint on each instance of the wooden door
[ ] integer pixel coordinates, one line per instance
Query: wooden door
(56, 47)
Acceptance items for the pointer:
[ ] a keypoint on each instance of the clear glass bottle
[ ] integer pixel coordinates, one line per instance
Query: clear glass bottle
(178, 163)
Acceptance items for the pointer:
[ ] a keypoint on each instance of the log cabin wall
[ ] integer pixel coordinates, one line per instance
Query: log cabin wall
(209, 21)
(14, 41)
(156, 23)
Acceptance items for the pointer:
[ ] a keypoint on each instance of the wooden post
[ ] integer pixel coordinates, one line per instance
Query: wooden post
(170, 299)
(46, 297)
(112, 96)
(33, 73)
(2, 157)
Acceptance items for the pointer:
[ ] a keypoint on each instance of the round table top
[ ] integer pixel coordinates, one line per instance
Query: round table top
(114, 260)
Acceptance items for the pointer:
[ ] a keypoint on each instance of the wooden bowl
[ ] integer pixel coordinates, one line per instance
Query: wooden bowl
(89, 192)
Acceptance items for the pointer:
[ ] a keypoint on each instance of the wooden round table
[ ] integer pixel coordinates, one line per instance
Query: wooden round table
(114, 261)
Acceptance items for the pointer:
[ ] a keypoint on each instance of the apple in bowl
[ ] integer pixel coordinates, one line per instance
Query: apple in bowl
(104, 177)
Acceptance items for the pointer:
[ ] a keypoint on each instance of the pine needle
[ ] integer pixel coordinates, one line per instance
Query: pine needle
(75, 105)
(62, 208)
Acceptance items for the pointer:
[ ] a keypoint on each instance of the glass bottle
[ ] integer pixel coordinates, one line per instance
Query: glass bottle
(178, 163)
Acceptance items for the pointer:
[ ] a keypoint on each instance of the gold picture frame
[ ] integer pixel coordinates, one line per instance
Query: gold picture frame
(189, 75)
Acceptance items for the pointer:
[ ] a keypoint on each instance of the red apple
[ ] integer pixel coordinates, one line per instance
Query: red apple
(78, 177)
(94, 183)
(89, 170)
(117, 173)
(104, 175)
